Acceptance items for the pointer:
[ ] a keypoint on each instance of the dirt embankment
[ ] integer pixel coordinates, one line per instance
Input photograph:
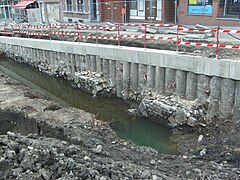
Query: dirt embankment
(57, 142)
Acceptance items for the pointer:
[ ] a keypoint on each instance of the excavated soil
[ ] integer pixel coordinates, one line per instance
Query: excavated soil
(41, 139)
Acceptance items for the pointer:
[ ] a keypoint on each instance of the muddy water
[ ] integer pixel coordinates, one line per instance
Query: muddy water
(141, 131)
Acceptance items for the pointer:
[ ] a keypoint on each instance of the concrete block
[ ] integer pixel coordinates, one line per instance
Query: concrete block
(126, 79)
(142, 76)
(217, 68)
(227, 98)
(93, 63)
(119, 78)
(170, 81)
(99, 64)
(191, 86)
(181, 77)
(134, 76)
(199, 65)
(180, 62)
(236, 111)
(160, 80)
(203, 87)
(127, 55)
(214, 97)
(112, 72)
(106, 68)
(234, 72)
(151, 76)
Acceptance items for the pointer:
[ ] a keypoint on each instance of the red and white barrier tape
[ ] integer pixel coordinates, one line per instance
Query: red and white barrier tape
(39, 27)
(209, 30)
(160, 25)
(151, 25)
(65, 33)
(210, 45)
(37, 34)
(122, 36)
(150, 37)
(113, 27)
(96, 27)
(32, 33)
(63, 25)
(99, 37)
(9, 33)
(85, 36)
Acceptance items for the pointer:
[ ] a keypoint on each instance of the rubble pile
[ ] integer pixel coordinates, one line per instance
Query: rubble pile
(34, 157)
(94, 82)
(173, 111)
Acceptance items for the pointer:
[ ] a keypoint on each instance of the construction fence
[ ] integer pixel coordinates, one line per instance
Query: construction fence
(146, 33)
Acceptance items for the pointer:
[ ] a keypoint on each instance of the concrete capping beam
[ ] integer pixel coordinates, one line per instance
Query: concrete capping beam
(160, 58)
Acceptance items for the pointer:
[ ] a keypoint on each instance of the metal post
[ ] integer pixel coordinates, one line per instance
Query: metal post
(175, 18)
(96, 34)
(225, 8)
(62, 32)
(125, 15)
(79, 34)
(145, 36)
(112, 11)
(177, 37)
(203, 10)
(50, 34)
(217, 46)
(28, 31)
(20, 31)
(119, 38)
(4, 29)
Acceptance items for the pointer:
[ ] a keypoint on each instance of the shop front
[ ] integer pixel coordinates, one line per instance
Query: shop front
(146, 10)
(231, 8)
(209, 12)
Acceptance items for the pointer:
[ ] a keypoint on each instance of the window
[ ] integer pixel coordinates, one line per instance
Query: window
(133, 4)
(80, 5)
(200, 7)
(233, 7)
(69, 5)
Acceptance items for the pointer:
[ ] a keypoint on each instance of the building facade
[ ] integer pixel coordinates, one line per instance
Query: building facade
(110, 11)
(209, 12)
(80, 11)
(152, 10)
(137, 10)
(52, 11)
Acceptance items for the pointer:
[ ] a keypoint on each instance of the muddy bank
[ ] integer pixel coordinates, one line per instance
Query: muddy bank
(67, 143)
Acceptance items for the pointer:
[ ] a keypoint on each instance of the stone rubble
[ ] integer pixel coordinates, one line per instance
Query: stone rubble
(67, 143)
(175, 110)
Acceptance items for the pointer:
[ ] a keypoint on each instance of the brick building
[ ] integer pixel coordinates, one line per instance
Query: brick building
(209, 12)
(111, 10)
(137, 10)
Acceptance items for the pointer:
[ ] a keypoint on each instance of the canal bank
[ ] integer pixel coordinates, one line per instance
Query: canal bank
(181, 89)
(114, 111)
(68, 143)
